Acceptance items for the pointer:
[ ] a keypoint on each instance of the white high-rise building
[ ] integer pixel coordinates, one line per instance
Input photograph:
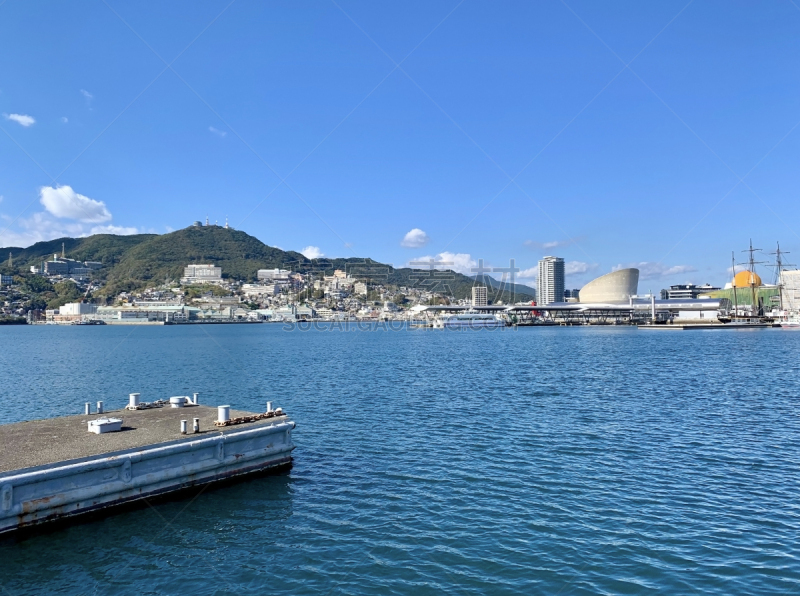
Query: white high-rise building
(790, 287)
(550, 285)
(480, 296)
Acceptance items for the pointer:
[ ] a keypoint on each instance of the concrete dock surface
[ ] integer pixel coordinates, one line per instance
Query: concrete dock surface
(53, 440)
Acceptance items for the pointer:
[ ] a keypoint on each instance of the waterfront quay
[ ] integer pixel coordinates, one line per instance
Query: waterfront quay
(63, 467)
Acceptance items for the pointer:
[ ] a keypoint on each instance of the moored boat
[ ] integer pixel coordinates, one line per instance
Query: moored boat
(469, 320)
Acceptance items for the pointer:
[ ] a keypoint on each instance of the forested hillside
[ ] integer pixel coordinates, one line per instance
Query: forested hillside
(142, 260)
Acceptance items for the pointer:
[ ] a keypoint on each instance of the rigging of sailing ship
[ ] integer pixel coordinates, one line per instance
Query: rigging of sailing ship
(782, 317)
(753, 315)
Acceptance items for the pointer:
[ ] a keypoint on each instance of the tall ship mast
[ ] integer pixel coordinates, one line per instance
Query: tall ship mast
(783, 318)
(751, 315)
(755, 307)
(779, 267)
(733, 285)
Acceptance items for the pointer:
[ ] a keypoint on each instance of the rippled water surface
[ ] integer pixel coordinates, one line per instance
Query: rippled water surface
(553, 461)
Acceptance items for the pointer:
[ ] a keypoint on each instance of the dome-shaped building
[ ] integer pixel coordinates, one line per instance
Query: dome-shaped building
(612, 288)
(747, 279)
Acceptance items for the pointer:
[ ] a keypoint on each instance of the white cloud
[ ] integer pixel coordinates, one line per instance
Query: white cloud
(62, 201)
(312, 252)
(676, 269)
(22, 119)
(89, 97)
(570, 268)
(578, 267)
(40, 226)
(169, 229)
(416, 238)
(463, 263)
(43, 226)
(216, 131)
(649, 270)
(112, 229)
(459, 262)
(550, 244)
(64, 119)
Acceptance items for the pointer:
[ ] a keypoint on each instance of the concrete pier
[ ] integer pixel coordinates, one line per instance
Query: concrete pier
(55, 468)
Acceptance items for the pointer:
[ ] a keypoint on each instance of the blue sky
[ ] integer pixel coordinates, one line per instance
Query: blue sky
(508, 130)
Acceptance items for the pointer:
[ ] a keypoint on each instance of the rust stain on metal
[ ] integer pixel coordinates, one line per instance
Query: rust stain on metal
(254, 418)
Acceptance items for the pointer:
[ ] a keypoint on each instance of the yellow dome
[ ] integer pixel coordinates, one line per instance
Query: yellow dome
(745, 279)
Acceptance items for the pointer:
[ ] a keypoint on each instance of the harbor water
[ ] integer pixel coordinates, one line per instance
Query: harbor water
(513, 461)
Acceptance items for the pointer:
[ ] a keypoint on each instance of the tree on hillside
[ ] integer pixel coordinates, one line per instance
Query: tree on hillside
(36, 284)
(66, 291)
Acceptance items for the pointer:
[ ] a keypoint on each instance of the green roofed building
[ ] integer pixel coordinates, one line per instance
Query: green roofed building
(766, 296)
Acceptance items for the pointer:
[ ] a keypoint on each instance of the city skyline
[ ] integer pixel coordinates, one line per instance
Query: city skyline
(531, 278)
(612, 139)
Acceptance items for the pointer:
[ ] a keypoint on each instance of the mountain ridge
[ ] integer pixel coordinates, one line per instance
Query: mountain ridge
(140, 260)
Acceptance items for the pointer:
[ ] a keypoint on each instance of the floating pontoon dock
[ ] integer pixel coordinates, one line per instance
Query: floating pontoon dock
(61, 467)
(694, 326)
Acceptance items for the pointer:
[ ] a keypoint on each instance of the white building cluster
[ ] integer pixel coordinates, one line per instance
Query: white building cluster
(202, 274)
(61, 267)
(277, 295)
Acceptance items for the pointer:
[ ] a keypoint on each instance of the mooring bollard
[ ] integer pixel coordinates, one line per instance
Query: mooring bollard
(223, 413)
(184, 424)
(87, 409)
(196, 425)
(194, 398)
(134, 400)
(269, 407)
(99, 407)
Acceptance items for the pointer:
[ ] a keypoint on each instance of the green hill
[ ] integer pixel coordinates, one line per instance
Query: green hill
(150, 259)
(106, 248)
(164, 257)
(520, 289)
